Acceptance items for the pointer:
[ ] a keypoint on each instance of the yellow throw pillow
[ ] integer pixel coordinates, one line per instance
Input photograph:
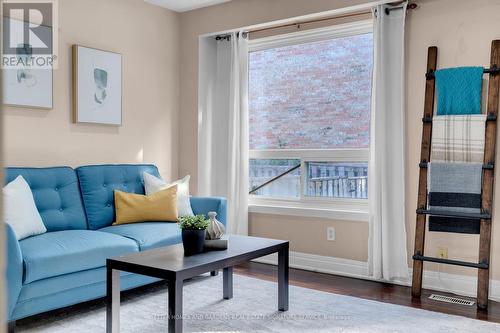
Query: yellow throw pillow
(159, 206)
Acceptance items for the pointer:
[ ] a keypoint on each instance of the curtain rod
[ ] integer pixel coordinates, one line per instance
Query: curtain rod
(298, 24)
(396, 6)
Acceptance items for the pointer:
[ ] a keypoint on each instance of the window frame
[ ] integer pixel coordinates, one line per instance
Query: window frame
(344, 208)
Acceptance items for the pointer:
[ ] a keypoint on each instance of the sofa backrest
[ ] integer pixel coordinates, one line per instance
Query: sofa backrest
(97, 183)
(57, 195)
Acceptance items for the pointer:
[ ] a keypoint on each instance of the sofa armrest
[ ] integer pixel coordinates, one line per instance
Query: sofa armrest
(14, 269)
(203, 205)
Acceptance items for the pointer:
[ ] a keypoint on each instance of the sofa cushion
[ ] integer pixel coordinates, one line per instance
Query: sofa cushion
(97, 183)
(57, 196)
(62, 252)
(138, 208)
(20, 210)
(154, 184)
(148, 235)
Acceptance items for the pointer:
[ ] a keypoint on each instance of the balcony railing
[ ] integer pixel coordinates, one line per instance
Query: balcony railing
(337, 180)
(338, 187)
(324, 179)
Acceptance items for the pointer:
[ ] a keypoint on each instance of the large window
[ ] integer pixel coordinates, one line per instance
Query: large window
(309, 109)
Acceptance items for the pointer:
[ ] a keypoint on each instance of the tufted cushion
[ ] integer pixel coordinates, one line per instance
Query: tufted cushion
(57, 196)
(97, 183)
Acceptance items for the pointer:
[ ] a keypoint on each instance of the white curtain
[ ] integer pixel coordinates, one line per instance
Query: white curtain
(223, 125)
(387, 242)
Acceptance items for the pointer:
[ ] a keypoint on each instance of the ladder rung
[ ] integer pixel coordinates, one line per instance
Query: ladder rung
(483, 216)
(493, 70)
(488, 166)
(490, 117)
(451, 262)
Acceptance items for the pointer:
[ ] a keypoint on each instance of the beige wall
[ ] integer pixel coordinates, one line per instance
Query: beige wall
(308, 235)
(147, 36)
(462, 30)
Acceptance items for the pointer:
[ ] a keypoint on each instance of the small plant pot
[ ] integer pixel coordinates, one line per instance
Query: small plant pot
(193, 241)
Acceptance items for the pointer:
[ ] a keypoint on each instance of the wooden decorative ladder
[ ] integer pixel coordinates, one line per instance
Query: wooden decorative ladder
(483, 264)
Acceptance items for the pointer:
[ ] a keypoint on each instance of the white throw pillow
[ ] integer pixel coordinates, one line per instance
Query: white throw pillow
(20, 211)
(154, 184)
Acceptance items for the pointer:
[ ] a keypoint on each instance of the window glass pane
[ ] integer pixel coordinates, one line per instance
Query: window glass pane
(337, 180)
(311, 96)
(262, 171)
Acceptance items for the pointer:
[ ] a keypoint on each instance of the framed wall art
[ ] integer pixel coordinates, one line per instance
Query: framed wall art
(26, 84)
(97, 86)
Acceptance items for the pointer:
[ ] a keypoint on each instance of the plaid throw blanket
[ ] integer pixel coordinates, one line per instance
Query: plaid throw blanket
(458, 138)
(454, 187)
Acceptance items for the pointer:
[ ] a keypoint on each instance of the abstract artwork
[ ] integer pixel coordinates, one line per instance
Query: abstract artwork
(97, 86)
(27, 85)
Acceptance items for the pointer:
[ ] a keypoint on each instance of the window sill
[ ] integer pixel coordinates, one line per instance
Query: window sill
(332, 214)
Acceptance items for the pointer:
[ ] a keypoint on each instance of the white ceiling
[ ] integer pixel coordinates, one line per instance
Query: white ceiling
(185, 5)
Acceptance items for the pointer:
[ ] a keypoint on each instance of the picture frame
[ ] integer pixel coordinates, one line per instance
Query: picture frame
(97, 86)
(39, 94)
(28, 86)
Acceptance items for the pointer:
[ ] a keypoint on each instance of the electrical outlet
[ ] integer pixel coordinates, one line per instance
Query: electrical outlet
(330, 233)
(442, 252)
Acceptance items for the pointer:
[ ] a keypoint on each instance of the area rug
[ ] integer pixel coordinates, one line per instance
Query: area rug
(253, 309)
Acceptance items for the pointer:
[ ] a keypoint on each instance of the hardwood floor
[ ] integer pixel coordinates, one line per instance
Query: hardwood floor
(377, 291)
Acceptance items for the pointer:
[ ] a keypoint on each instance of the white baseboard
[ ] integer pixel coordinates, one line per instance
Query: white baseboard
(458, 284)
(322, 264)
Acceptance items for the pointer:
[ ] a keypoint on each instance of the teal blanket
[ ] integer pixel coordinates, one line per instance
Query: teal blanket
(459, 90)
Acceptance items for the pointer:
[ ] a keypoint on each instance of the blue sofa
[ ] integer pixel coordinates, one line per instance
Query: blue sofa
(66, 265)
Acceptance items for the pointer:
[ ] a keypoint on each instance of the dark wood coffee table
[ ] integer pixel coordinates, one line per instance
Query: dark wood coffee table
(169, 263)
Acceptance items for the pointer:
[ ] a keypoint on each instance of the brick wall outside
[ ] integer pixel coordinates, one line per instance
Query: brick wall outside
(314, 96)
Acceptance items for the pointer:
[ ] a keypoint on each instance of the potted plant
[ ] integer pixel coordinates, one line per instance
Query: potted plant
(193, 233)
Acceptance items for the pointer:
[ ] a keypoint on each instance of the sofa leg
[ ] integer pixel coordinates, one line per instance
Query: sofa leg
(214, 273)
(11, 327)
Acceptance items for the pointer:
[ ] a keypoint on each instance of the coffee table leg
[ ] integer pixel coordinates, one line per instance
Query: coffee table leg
(227, 278)
(112, 300)
(283, 279)
(175, 306)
